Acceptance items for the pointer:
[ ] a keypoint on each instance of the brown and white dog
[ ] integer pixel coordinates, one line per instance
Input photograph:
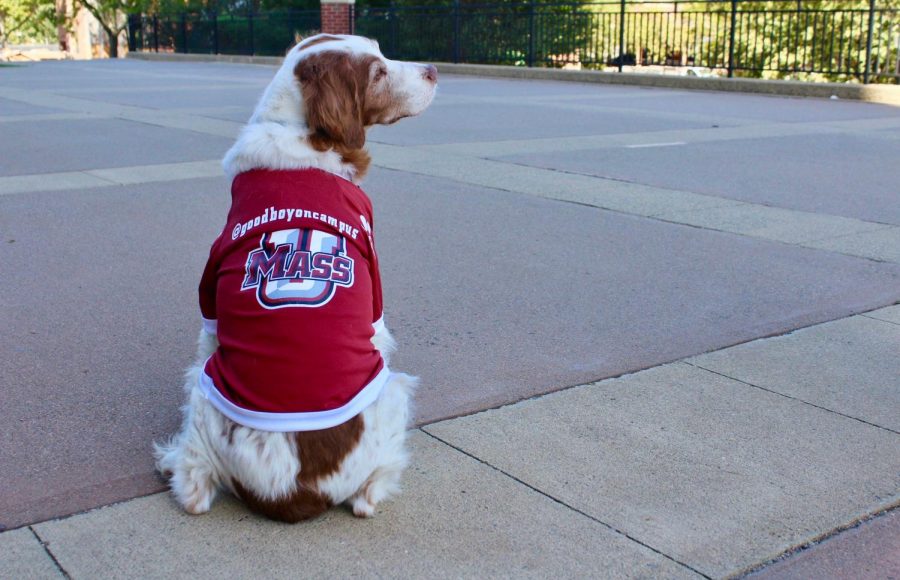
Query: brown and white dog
(313, 114)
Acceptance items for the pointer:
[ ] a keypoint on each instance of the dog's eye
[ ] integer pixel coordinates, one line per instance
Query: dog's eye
(380, 73)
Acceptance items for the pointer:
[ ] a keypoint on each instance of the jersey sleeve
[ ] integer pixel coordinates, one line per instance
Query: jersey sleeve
(207, 289)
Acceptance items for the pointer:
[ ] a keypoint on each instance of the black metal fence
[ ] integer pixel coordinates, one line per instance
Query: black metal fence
(833, 40)
(262, 33)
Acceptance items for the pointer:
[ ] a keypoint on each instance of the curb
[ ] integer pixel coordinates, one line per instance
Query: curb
(229, 58)
(884, 94)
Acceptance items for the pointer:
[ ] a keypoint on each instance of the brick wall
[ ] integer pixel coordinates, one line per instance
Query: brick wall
(336, 18)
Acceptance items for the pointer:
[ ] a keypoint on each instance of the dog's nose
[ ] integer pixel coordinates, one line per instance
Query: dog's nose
(430, 73)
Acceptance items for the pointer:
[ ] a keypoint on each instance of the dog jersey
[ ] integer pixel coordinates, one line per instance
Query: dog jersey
(293, 293)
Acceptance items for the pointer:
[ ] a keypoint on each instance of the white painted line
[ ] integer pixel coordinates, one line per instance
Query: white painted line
(646, 145)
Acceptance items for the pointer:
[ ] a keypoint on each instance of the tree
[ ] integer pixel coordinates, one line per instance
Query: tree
(111, 14)
(813, 39)
(25, 18)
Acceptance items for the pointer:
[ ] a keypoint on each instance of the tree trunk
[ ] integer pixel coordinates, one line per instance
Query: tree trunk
(112, 32)
(113, 38)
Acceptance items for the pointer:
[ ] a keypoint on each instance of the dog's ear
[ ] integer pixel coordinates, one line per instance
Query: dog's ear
(332, 97)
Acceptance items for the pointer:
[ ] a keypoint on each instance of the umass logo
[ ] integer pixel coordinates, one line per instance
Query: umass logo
(298, 268)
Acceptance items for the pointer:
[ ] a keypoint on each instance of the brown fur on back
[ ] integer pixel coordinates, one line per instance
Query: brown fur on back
(301, 505)
(321, 453)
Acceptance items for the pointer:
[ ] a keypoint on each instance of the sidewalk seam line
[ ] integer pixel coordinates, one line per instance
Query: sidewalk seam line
(100, 177)
(49, 553)
(825, 537)
(881, 319)
(850, 235)
(799, 400)
(564, 504)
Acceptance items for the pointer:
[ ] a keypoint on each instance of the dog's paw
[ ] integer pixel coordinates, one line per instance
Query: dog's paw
(197, 505)
(362, 508)
(196, 494)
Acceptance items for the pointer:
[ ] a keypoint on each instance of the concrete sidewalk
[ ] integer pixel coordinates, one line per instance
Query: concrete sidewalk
(657, 330)
(708, 467)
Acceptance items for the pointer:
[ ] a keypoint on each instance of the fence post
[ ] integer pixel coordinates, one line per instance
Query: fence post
(897, 64)
(530, 58)
(731, 38)
(156, 33)
(456, 30)
(394, 28)
(132, 33)
(184, 32)
(868, 73)
(215, 17)
(250, 30)
(621, 35)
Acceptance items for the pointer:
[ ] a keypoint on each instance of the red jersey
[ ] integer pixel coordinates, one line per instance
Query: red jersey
(293, 292)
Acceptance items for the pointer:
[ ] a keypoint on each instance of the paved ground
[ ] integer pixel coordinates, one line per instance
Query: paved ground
(628, 228)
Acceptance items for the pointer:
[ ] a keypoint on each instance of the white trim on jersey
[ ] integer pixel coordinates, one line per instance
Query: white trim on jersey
(210, 326)
(286, 422)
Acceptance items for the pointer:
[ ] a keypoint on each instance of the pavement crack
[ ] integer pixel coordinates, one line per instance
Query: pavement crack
(829, 535)
(570, 507)
(880, 319)
(881, 227)
(46, 547)
(799, 400)
(93, 173)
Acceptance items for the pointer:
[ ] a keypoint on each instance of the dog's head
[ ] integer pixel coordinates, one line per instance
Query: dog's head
(333, 87)
(348, 85)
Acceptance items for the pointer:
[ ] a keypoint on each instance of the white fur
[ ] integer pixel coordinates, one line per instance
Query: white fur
(209, 451)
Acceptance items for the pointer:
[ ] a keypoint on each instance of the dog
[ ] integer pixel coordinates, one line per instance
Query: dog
(291, 406)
